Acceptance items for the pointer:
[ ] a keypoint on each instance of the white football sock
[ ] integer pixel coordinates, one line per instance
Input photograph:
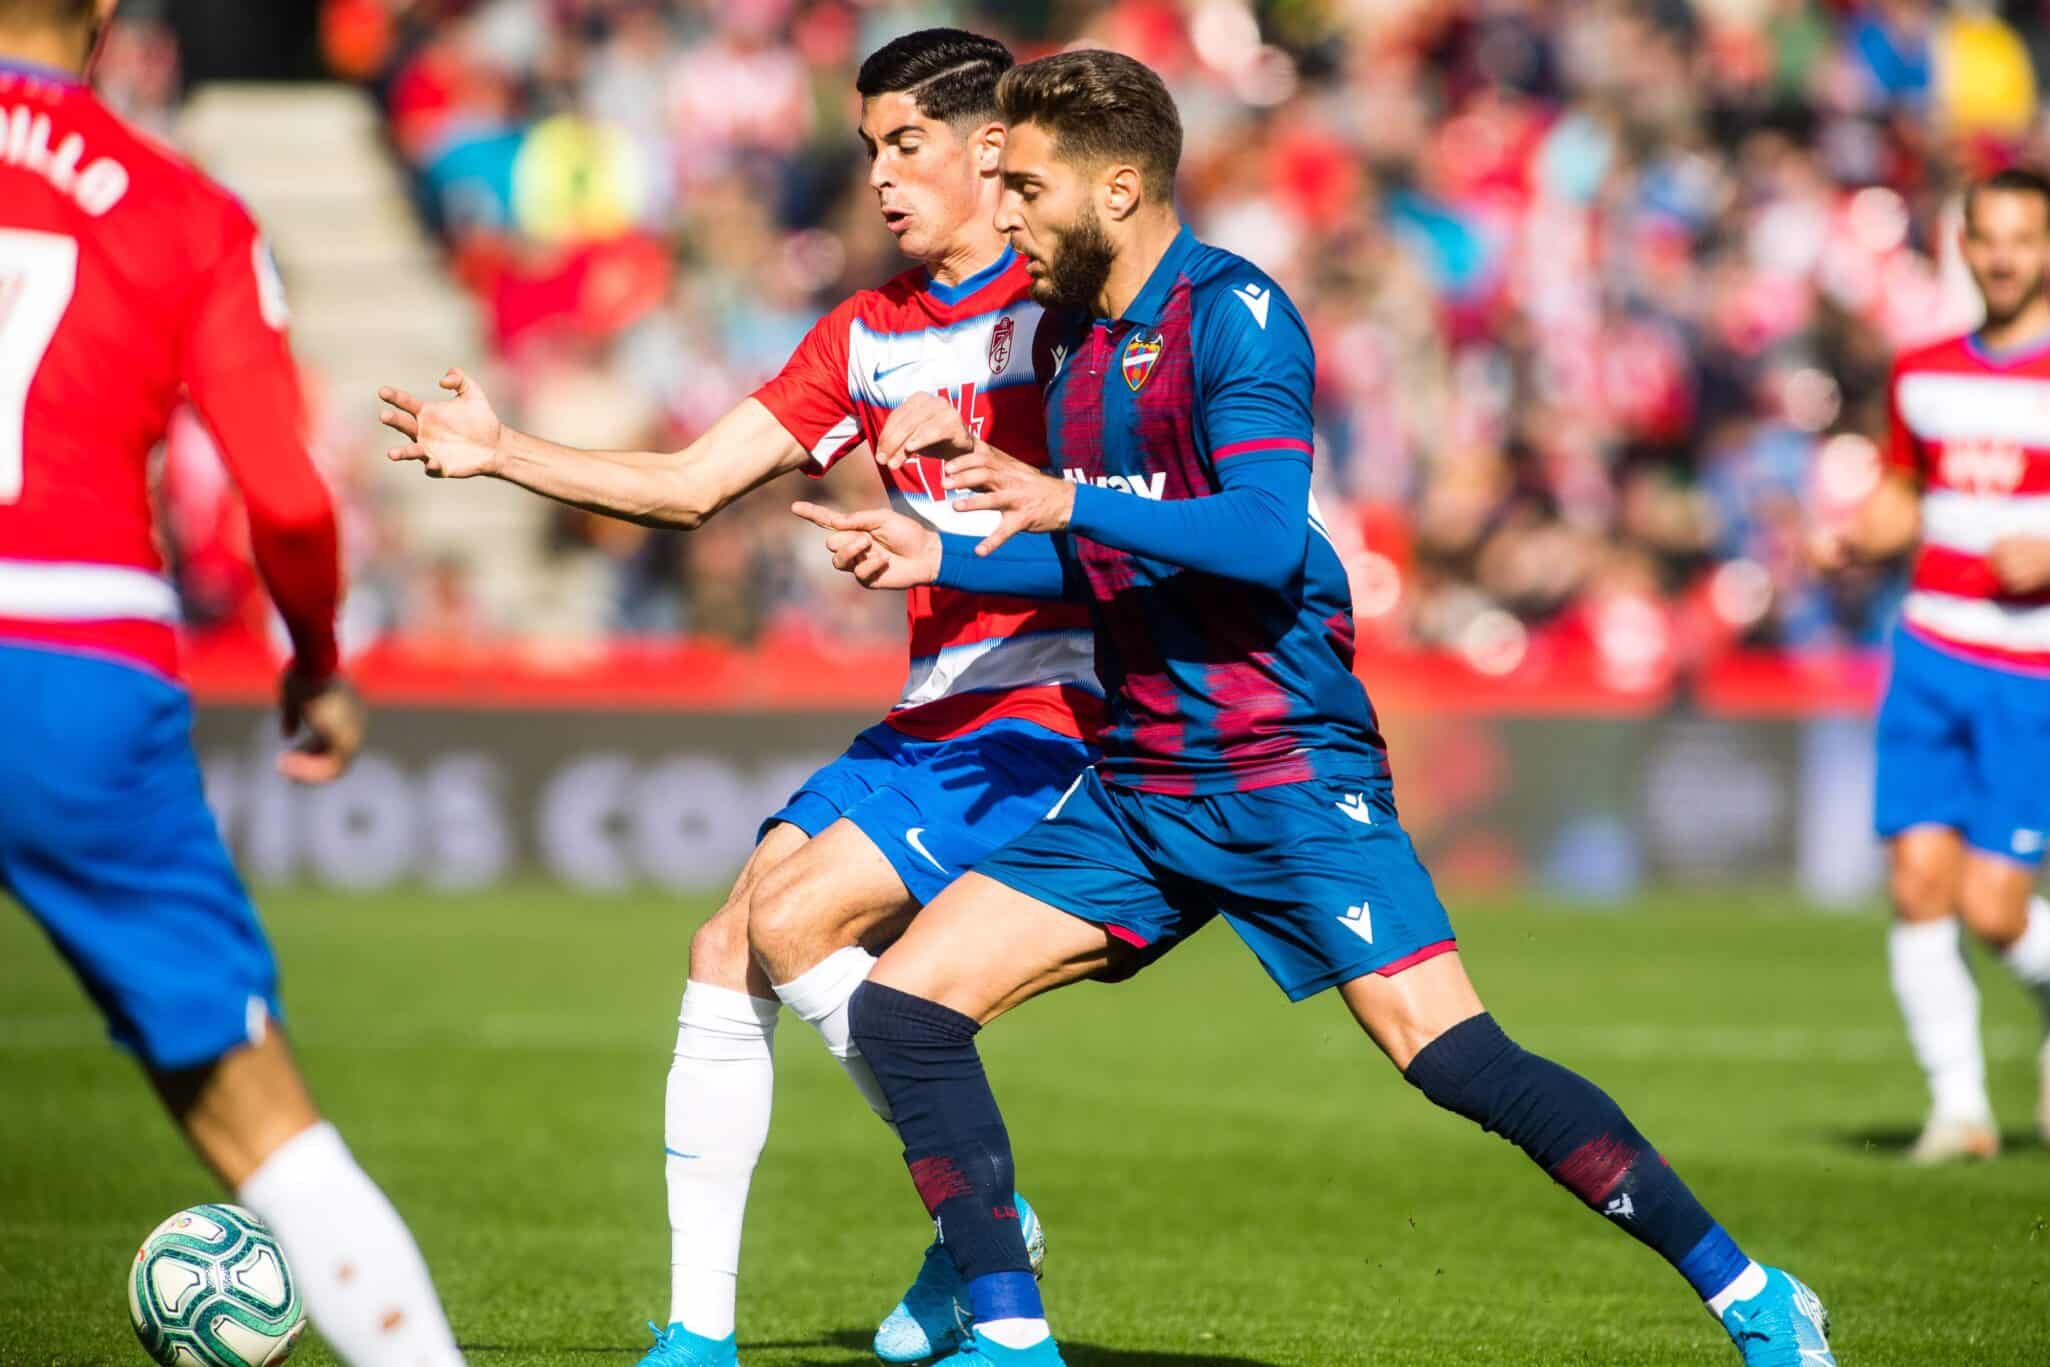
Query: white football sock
(819, 996)
(365, 1284)
(2029, 955)
(715, 1122)
(1020, 1333)
(1742, 1287)
(1940, 1004)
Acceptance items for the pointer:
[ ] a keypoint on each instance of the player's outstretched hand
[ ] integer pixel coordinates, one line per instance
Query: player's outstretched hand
(924, 424)
(453, 438)
(1029, 499)
(2021, 563)
(331, 719)
(880, 548)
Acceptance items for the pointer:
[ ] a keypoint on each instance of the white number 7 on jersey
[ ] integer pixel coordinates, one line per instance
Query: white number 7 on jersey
(38, 272)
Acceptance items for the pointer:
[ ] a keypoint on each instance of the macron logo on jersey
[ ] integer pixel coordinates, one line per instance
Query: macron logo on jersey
(1256, 301)
(1359, 920)
(1153, 486)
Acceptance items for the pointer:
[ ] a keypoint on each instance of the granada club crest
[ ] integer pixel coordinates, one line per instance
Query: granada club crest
(1140, 354)
(1000, 344)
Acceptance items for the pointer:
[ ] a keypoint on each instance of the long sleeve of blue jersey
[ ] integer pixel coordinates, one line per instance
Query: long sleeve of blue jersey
(1030, 565)
(1254, 373)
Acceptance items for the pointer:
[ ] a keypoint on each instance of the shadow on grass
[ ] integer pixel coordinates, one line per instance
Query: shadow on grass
(857, 1342)
(1894, 1141)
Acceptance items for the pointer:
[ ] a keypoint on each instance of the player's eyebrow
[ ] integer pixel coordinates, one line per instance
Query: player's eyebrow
(1018, 180)
(900, 130)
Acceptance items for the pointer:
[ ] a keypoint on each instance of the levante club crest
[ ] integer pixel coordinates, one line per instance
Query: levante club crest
(1140, 354)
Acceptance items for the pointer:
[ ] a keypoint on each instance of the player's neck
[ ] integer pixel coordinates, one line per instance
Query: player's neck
(2029, 324)
(1148, 238)
(57, 49)
(974, 252)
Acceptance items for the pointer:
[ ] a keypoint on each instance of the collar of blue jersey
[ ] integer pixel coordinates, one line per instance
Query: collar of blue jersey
(55, 75)
(2012, 355)
(954, 294)
(1151, 300)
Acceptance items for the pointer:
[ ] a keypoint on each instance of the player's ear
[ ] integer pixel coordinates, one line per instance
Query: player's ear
(1120, 191)
(988, 143)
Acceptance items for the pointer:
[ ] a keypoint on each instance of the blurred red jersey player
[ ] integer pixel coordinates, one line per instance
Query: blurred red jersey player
(127, 279)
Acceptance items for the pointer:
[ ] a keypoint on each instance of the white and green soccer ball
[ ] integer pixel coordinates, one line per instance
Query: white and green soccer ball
(210, 1288)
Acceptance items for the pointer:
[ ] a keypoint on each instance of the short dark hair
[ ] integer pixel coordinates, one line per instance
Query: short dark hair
(21, 14)
(2014, 180)
(1099, 106)
(950, 72)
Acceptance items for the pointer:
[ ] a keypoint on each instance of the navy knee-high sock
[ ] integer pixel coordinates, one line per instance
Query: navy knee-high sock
(923, 1055)
(1572, 1130)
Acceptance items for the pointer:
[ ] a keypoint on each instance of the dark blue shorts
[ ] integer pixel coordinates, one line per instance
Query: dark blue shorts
(106, 838)
(937, 807)
(1318, 878)
(1964, 745)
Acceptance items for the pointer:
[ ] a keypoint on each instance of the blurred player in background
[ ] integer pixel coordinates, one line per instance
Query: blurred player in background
(1963, 790)
(126, 276)
(1243, 773)
(1002, 692)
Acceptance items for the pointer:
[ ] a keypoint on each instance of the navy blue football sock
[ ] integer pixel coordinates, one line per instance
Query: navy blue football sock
(923, 1055)
(1574, 1131)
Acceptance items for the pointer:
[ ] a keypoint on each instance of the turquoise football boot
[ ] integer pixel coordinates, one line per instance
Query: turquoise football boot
(1782, 1326)
(677, 1346)
(980, 1352)
(933, 1320)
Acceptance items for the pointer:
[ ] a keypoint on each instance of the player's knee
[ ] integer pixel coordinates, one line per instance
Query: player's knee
(786, 920)
(1994, 910)
(1923, 891)
(719, 948)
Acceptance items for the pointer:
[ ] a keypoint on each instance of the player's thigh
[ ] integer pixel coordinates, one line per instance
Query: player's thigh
(719, 952)
(106, 838)
(1925, 773)
(1993, 897)
(982, 947)
(836, 890)
(1925, 868)
(2011, 819)
(1404, 1011)
(1320, 881)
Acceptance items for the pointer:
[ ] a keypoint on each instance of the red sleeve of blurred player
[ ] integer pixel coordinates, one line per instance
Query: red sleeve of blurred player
(1903, 452)
(810, 395)
(240, 374)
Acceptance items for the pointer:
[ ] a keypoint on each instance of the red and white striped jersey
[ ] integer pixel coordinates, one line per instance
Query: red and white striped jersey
(127, 278)
(1973, 428)
(974, 657)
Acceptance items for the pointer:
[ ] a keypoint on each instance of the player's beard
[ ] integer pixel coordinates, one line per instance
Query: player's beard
(1079, 266)
(2022, 300)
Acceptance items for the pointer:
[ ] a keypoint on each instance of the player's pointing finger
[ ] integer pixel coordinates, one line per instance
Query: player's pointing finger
(820, 517)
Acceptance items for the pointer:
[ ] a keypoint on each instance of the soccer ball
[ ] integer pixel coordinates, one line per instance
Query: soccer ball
(210, 1288)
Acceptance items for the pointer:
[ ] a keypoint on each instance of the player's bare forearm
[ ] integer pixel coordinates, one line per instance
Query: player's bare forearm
(1887, 524)
(2021, 563)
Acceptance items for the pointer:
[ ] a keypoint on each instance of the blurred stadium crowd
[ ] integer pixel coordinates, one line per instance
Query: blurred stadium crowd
(1604, 293)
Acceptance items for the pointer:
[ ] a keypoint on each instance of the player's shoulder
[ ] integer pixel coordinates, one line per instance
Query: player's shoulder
(159, 176)
(1229, 295)
(1944, 356)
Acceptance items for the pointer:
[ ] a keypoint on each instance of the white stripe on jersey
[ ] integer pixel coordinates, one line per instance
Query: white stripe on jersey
(1948, 407)
(1980, 621)
(70, 591)
(886, 368)
(1973, 522)
(837, 439)
(941, 515)
(1005, 662)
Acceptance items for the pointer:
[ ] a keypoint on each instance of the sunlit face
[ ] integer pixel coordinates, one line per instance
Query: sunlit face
(2007, 249)
(924, 173)
(1048, 210)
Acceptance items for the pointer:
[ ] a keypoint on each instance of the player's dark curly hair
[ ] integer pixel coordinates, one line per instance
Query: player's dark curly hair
(951, 73)
(2014, 180)
(1099, 106)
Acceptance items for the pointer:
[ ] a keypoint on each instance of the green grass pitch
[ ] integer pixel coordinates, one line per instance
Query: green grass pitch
(1225, 1179)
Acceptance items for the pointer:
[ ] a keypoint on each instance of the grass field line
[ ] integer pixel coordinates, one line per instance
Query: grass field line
(1624, 1041)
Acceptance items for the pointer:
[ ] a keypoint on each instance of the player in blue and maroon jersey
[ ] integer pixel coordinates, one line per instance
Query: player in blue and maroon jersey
(1242, 774)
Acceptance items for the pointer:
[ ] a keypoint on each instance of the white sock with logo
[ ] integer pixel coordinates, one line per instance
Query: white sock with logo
(715, 1122)
(365, 1284)
(1940, 1003)
(2029, 955)
(819, 996)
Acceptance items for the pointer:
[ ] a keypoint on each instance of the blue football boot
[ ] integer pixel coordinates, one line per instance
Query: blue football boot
(1782, 1326)
(980, 1352)
(933, 1319)
(677, 1346)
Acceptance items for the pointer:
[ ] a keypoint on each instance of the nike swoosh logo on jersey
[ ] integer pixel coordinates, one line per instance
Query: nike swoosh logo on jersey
(881, 371)
(911, 839)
